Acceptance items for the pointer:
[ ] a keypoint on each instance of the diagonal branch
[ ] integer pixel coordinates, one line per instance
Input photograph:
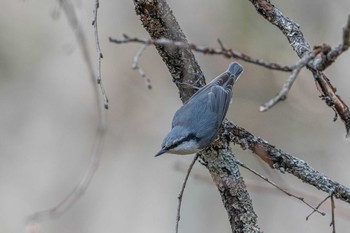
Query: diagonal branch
(317, 207)
(296, 39)
(282, 95)
(284, 162)
(158, 20)
(223, 169)
(332, 54)
(78, 191)
(302, 199)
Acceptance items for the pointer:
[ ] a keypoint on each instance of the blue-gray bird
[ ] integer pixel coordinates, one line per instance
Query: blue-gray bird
(197, 122)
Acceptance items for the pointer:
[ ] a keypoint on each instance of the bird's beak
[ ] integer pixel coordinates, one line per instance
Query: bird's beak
(162, 151)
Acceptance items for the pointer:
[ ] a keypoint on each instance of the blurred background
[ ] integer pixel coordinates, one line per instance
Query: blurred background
(49, 117)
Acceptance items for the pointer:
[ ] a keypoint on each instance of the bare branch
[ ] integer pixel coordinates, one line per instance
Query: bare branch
(282, 95)
(135, 66)
(78, 191)
(317, 207)
(346, 35)
(296, 39)
(279, 188)
(226, 175)
(182, 192)
(328, 94)
(331, 55)
(284, 162)
(58, 210)
(99, 56)
(158, 19)
(333, 216)
(238, 55)
(227, 53)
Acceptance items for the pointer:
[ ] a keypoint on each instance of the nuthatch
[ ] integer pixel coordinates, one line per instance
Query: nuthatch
(197, 122)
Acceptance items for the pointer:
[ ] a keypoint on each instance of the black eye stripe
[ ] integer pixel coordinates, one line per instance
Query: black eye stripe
(187, 138)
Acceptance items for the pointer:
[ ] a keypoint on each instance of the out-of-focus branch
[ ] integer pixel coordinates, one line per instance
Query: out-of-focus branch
(157, 18)
(296, 39)
(81, 187)
(223, 51)
(284, 162)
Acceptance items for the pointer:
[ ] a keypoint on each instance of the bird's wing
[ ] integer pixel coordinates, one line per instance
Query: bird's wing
(219, 100)
(210, 101)
(219, 80)
(226, 80)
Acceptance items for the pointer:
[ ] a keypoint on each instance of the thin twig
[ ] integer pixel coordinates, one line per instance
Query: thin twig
(135, 65)
(99, 55)
(332, 54)
(346, 35)
(228, 53)
(259, 187)
(296, 39)
(282, 95)
(246, 58)
(317, 207)
(278, 187)
(59, 209)
(182, 192)
(333, 216)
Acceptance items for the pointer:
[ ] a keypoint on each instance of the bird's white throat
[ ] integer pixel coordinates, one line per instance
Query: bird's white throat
(187, 147)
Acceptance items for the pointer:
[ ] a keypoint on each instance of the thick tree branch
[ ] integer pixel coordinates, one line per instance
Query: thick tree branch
(296, 39)
(222, 166)
(284, 162)
(302, 199)
(159, 21)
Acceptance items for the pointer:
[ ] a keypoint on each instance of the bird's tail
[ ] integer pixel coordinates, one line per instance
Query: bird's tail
(235, 69)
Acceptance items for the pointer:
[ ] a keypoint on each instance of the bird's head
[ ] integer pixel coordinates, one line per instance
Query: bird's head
(179, 141)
